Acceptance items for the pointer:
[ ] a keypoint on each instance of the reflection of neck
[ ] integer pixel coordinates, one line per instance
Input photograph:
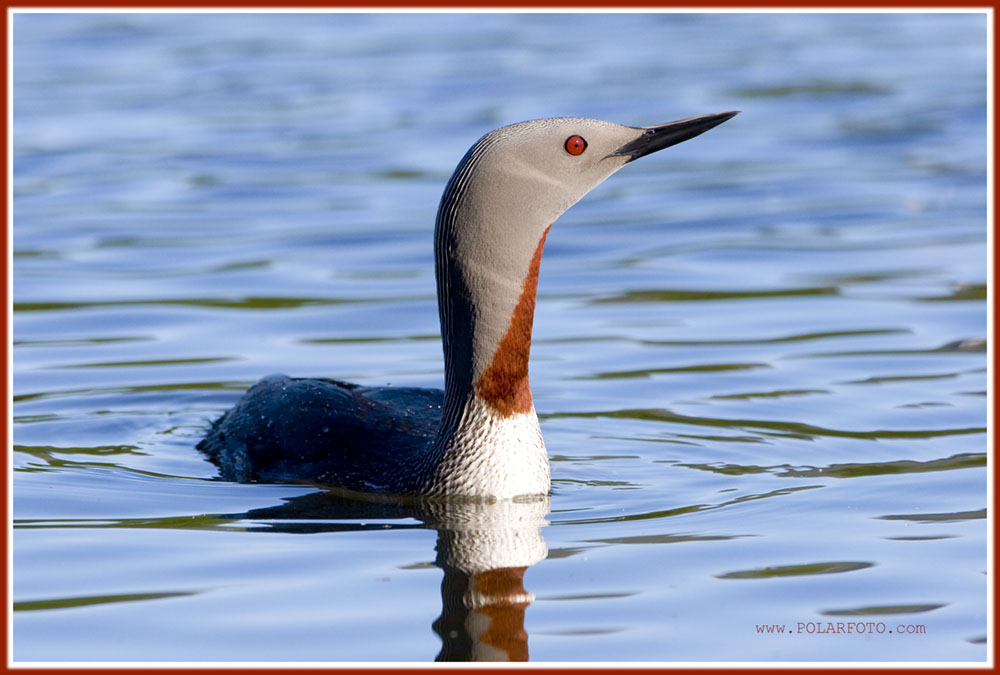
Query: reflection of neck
(483, 616)
(484, 549)
(489, 441)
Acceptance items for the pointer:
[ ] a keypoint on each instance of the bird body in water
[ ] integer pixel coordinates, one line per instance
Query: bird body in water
(480, 437)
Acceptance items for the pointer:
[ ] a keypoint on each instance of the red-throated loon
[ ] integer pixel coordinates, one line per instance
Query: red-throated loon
(480, 437)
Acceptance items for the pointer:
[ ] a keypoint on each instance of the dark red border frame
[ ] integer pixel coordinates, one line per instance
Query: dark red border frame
(558, 5)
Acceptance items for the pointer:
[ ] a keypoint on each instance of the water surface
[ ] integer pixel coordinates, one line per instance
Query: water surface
(760, 357)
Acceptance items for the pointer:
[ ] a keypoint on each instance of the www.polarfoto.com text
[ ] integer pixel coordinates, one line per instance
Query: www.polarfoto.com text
(843, 628)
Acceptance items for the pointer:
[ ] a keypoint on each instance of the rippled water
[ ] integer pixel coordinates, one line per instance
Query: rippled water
(760, 357)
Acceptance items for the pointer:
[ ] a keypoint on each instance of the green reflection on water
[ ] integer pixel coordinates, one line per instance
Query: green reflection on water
(979, 514)
(797, 570)
(850, 470)
(815, 88)
(795, 429)
(647, 372)
(649, 295)
(227, 303)
(883, 609)
(66, 603)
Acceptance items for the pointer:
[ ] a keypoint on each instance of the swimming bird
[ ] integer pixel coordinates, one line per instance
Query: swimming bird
(480, 437)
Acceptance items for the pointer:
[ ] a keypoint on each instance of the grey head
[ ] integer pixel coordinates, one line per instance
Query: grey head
(531, 172)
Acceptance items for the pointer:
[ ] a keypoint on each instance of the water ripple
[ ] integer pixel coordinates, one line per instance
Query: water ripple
(789, 428)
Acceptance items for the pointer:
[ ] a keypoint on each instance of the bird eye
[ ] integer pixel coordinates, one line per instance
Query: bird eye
(575, 145)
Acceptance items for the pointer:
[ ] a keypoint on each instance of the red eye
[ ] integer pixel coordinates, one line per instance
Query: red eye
(575, 145)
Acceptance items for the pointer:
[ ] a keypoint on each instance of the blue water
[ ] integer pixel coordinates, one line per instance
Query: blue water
(760, 357)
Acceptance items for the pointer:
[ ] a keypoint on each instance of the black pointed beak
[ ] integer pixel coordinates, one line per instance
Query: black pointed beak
(665, 135)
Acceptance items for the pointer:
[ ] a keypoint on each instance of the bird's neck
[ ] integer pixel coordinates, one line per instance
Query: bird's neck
(486, 320)
(486, 298)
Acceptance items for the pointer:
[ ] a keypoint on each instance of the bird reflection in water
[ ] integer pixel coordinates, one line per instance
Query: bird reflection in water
(483, 548)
